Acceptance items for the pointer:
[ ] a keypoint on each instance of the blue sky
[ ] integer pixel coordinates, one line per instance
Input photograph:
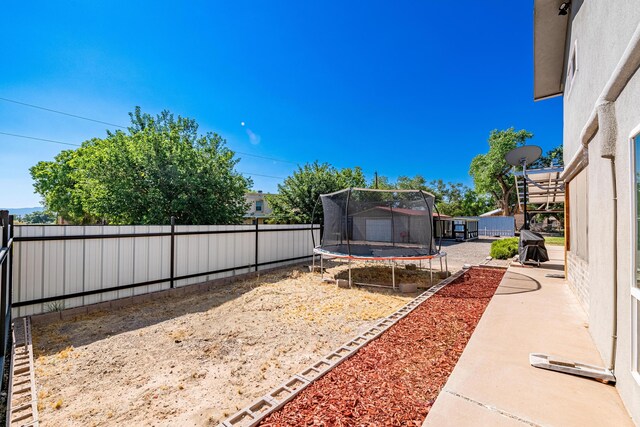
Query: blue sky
(401, 88)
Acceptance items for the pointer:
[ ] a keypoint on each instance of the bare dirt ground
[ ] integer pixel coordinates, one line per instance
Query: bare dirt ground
(195, 360)
(395, 379)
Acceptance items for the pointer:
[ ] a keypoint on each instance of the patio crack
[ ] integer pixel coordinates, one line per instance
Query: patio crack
(494, 409)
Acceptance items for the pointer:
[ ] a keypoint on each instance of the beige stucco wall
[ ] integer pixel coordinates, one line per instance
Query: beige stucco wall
(602, 32)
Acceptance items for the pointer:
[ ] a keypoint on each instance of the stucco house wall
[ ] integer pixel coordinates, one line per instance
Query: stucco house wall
(600, 32)
(252, 213)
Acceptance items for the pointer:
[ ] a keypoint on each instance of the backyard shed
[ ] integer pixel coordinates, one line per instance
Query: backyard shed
(457, 228)
(385, 224)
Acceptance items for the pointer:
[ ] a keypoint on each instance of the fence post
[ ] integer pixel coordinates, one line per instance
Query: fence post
(257, 232)
(4, 280)
(10, 266)
(173, 251)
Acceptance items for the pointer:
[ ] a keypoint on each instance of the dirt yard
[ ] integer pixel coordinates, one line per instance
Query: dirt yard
(395, 379)
(195, 360)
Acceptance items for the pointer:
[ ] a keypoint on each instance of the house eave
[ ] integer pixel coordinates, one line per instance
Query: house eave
(549, 48)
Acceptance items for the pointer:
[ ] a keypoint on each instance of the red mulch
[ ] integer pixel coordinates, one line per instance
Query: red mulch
(395, 379)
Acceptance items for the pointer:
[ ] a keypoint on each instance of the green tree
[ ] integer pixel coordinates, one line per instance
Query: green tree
(56, 182)
(298, 194)
(383, 183)
(553, 157)
(491, 173)
(457, 199)
(452, 198)
(37, 217)
(159, 168)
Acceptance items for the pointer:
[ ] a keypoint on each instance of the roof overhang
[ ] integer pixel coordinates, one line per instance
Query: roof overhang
(549, 47)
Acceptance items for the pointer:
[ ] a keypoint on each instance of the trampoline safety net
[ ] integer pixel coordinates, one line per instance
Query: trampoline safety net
(378, 223)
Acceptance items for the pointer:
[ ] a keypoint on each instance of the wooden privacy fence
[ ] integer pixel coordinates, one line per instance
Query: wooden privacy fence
(61, 266)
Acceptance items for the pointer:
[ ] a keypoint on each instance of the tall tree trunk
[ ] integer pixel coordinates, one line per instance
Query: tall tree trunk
(506, 192)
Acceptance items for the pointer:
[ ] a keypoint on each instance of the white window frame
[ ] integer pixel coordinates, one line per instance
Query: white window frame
(572, 68)
(635, 290)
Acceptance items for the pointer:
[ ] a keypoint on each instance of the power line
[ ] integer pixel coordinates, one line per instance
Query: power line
(61, 112)
(266, 176)
(119, 126)
(265, 157)
(39, 139)
(78, 145)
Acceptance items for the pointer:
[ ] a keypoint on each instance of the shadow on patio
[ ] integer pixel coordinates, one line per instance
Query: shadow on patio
(493, 382)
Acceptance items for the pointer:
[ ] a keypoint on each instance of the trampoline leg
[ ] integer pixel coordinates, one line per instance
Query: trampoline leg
(440, 264)
(393, 275)
(321, 267)
(430, 273)
(349, 272)
(313, 264)
(446, 262)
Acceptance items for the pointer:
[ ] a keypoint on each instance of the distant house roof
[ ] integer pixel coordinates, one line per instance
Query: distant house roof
(491, 213)
(549, 47)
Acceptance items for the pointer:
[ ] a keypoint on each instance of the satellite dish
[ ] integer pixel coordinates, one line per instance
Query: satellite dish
(526, 154)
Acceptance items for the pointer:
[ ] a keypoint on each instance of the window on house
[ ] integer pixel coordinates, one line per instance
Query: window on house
(635, 282)
(579, 202)
(259, 205)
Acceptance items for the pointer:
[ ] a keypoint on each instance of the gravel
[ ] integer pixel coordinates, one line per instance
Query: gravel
(473, 252)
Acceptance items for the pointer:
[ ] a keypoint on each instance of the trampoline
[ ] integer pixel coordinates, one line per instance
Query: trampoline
(378, 225)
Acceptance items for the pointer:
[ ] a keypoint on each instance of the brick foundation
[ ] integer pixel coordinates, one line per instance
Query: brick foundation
(578, 278)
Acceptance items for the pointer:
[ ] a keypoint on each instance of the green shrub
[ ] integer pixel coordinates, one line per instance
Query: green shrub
(504, 248)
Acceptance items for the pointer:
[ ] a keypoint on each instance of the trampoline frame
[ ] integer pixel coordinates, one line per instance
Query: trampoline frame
(440, 255)
(317, 250)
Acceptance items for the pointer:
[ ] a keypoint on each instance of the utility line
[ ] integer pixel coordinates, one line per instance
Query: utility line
(257, 174)
(110, 124)
(61, 112)
(40, 139)
(78, 145)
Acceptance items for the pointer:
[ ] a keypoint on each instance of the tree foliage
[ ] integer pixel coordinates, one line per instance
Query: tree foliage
(298, 194)
(553, 157)
(159, 168)
(37, 217)
(491, 173)
(454, 199)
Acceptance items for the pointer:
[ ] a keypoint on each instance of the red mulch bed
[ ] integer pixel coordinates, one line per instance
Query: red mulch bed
(395, 379)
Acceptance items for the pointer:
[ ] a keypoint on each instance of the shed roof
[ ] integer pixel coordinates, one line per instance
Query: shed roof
(402, 211)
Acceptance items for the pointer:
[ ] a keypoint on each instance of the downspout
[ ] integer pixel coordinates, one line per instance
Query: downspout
(607, 124)
(608, 128)
(602, 119)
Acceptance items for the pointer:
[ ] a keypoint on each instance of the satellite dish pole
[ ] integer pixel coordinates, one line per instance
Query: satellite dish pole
(523, 156)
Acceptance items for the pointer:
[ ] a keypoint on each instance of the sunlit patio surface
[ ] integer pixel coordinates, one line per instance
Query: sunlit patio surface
(493, 382)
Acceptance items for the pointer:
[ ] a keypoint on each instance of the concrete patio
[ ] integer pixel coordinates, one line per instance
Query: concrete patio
(493, 383)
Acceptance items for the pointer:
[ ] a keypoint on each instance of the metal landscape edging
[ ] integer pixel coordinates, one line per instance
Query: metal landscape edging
(271, 402)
